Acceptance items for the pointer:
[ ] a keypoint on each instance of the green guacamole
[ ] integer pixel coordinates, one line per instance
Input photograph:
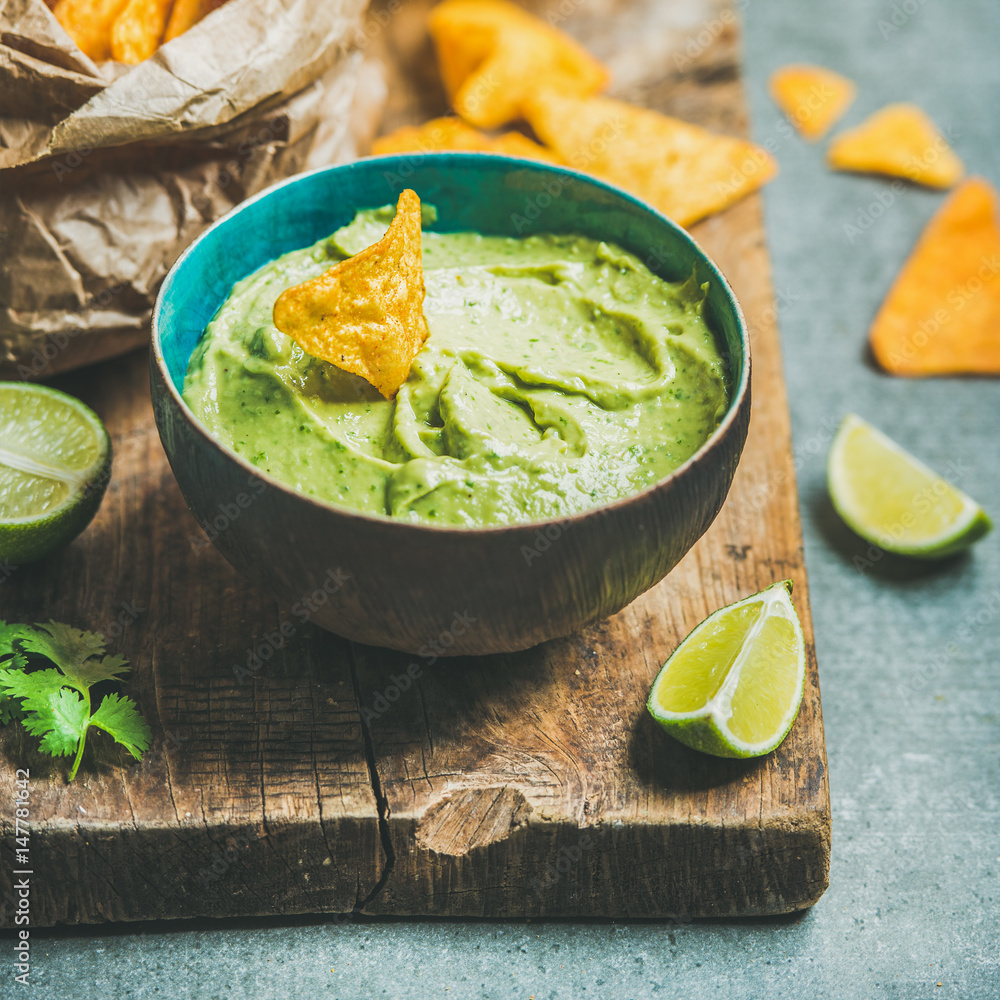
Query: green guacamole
(560, 374)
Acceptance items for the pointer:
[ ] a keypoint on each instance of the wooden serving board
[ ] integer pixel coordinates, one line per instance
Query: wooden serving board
(294, 772)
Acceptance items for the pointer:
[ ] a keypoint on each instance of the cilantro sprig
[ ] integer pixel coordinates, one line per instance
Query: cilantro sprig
(55, 703)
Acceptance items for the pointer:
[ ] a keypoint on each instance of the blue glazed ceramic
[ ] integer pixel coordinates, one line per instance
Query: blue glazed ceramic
(402, 585)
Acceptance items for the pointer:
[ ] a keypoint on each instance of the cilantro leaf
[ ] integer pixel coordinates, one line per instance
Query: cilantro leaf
(9, 634)
(55, 703)
(33, 689)
(78, 654)
(119, 718)
(63, 644)
(61, 719)
(9, 710)
(16, 662)
(10, 659)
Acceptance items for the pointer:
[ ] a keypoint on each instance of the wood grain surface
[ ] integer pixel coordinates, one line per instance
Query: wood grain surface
(295, 772)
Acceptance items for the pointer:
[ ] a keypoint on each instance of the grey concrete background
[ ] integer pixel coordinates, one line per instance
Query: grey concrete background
(913, 730)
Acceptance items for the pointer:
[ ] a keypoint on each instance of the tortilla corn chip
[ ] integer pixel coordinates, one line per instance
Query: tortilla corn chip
(900, 140)
(186, 14)
(453, 134)
(493, 56)
(813, 98)
(137, 31)
(942, 314)
(88, 23)
(365, 314)
(685, 171)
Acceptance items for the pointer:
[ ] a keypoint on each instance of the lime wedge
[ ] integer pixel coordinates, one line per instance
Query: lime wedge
(893, 500)
(733, 687)
(55, 462)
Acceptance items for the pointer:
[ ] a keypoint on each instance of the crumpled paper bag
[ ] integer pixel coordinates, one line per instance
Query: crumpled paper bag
(107, 172)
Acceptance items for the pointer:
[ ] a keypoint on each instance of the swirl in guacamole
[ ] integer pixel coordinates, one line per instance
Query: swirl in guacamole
(560, 374)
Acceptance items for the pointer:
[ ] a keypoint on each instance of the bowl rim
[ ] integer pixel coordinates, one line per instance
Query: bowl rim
(736, 403)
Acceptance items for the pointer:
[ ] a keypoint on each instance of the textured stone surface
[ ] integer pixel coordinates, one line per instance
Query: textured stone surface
(912, 733)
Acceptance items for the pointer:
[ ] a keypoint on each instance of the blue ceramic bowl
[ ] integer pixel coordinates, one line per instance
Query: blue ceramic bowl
(403, 585)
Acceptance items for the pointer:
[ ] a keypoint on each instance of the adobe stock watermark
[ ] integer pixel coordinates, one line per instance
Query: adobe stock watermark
(957, 298)
(230, 170)
(660, 256)
(172, 741)
(303, 609)
(17, 901)
(783, 298)
(554, 186)
(430, 142)
(817, 99)
(430, 652)
(67, 163)
(565, 10)
(751, 505)
(922, 502)
(375, 23)
(973, 623)
(545, 538)
(228, 514)
(396, 180)
(867, 215)
(897, 15)
(235, 851)
(485, 87)
(741, 855)
(127, 614)
(696, 44)
(566, 860)
(64, 165)
(224, 857)
(755, 162)
(53, 344)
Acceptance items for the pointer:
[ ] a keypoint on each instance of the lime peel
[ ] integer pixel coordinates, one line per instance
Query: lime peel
(55, 464)
(893, 500)
(749, 659)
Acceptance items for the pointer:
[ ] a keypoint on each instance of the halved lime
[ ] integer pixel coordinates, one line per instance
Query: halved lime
(733, 687)
(55, 463)
(894, 501)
